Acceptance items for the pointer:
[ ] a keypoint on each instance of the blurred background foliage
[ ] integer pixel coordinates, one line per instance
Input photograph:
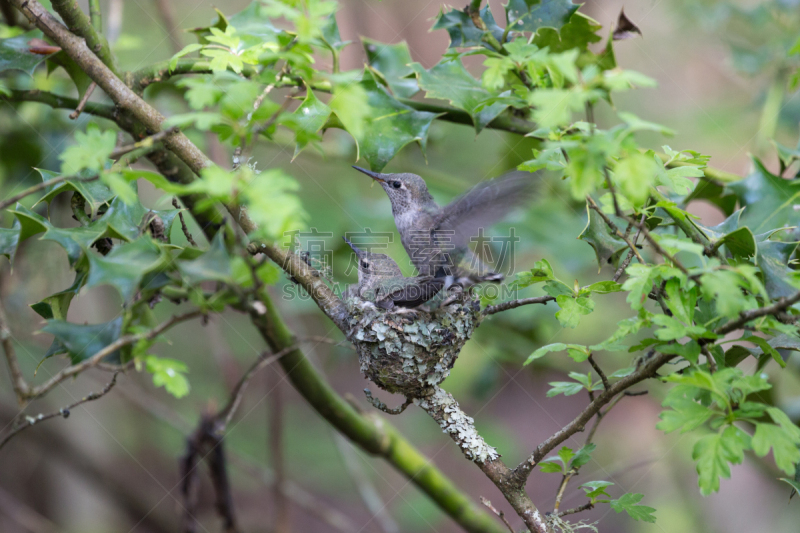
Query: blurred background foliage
(727, 83)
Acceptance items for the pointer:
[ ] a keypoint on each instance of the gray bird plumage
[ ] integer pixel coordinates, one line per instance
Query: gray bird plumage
(381, 282)
(437, 238)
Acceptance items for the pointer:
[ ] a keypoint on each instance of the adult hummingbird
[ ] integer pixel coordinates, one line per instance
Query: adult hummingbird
(437, 238)
(381, 282)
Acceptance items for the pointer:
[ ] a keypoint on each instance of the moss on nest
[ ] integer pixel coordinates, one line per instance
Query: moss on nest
(407, 353)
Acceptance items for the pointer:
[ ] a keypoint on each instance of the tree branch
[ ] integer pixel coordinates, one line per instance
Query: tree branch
(39, 186)
(513, 304)
(746, 316)
(61, 102)
(93, 360)
(64, 412)
(79, 24)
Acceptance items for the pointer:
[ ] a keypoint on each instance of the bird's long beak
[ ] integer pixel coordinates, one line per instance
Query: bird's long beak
(377, 176)
(359, 252)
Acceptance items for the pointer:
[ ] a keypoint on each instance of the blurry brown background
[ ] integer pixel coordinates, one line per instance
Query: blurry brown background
(113, 465)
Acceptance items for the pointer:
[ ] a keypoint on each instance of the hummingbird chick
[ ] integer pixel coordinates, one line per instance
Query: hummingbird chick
(381, 282)
(437, 238)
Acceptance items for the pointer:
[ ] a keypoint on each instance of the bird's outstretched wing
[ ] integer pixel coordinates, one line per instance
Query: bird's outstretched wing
(479, 207)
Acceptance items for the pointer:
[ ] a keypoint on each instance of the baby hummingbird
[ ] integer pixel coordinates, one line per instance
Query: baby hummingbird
(381, 282)
(437, 238)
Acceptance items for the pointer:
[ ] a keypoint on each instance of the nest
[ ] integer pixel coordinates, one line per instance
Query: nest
(410, 353)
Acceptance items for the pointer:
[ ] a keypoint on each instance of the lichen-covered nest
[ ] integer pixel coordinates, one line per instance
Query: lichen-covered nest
(408, 353)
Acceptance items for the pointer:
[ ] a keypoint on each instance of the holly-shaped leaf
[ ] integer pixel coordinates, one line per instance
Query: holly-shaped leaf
(15, 53)
(530, 15)
(607, 246)
(449, 80)
(770, 199)
(94, 192)
(714, 454)
(30, 223)
(773, 260)
(56, 305)
(630, 504)
(462, 30)
(74, 240)
(125, 266)
(389, 126)
(214, 264)
(578, 33)
(82, 342)
(9, 241)
(307, 120)
(392, 62)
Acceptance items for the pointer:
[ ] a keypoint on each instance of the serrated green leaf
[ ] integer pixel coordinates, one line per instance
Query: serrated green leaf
(125, 266)
(214, 264)
(582, 456)
(530, 15)
(307, 120)
(90, 152)
(572, 309)
(577, 34)
(168, 373)
(785, 449)
(607, 246)
(714, 454)
(634, 176)
(449, 80)
(94, 192)
(629, 504)
(567, 388)
(15, 53)
(463, 32)
(769, 199)
(595, 489)
(773, 260)
(685, 414)
(82, 342)
(541, 271)
(392, 62)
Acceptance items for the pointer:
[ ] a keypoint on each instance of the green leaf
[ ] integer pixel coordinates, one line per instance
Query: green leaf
(449, 80)
(556, 288)
(607, 246)
(82, 342)
(125, 266)
(552, 465)
(463, 32)
(578, 33)
(95, 192)
(604, 287)
(9, 241)
(541, 271)
(680, 301)
(214, 264)
(530, 15)
(769, 199)
(541, 352)
(554, 107)
(15, 53)
(567, 388)
(773, 260)
(596, 489)
(767, 348)
(392, 62)
(572, 309)
(685, 414)
(783, 438)
(713, 454)
(30, 223)
(689, 351)
(634, 176)
(389, 126)
(307, 120)
(90, 152)
(56, 305)
(629, 504)
(582, 456)
(168, 373)
(348, 103)
(74, 240)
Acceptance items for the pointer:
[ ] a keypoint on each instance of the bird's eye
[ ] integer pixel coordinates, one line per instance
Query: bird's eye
(396, 184)
(364, 264)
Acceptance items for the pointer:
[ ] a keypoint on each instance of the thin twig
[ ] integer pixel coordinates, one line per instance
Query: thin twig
(185, 230)
(712, 363)
(147, 142)
(746, 316)
(599, 372)
(499, 513)
(85, 98)
(575, 510)
(610, 223)
(659, 250)
(21, 388)
(93, 360)
(275, 445)
(39, 186)
(563, 487)
(629, 258)
(492, 309)
(64, 412)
